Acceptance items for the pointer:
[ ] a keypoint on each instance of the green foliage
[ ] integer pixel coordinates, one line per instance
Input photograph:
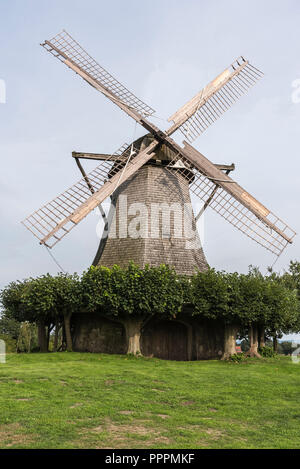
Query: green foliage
(9, 327)
(67, 290)
(245, 299)
(210, 294)
(27, 339)
(270, 302)
(10, 343)
(123, 292)
(237, 357)
(286, 347)
(282, 314)
(11, 300)
(267, 352)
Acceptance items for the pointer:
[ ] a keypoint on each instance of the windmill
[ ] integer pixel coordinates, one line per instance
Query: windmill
(155, 168)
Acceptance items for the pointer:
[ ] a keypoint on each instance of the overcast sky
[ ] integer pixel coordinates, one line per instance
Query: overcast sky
(164, 51)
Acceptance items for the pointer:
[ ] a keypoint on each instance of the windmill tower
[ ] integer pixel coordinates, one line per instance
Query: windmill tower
(164, 231)
(155, 170)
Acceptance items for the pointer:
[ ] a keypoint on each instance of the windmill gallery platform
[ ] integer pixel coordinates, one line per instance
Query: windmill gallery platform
(156, 173)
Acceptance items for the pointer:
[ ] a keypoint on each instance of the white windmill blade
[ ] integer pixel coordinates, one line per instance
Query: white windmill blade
(68, 51)
(57, 218)
(230, 200)
(216, 98)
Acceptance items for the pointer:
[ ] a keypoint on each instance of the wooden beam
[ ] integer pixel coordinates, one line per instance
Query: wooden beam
(226, 167)
(95, 156)
(210, 198)
(90, 187)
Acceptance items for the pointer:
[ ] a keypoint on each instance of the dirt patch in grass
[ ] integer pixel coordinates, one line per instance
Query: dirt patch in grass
(212, 435)
(112, 435)
(77, 404)
(12, 435)
(215, 434)
(109, 382)
(126, 412)
(202, 429)
(188, 403)
(18, 381)
(153, 414)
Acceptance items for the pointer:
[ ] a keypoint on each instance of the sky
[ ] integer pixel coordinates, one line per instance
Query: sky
(164, 51)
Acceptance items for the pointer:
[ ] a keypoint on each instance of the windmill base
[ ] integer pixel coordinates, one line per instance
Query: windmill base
(186, 339)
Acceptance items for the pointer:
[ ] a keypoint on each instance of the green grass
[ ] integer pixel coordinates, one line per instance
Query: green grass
(73, 400)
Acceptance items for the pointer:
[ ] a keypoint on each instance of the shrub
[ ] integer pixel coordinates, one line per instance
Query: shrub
(10, 343)
(237, 358)
(267, 352)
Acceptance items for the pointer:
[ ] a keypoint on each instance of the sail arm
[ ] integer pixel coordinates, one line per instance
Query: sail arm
(230, 200)
(57, 218)
(194, 117)
(64, 47)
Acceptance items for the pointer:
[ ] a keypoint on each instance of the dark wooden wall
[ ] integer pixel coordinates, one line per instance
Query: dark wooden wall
(165, 339)
(208, 340)
(186, 339)
(93, 333)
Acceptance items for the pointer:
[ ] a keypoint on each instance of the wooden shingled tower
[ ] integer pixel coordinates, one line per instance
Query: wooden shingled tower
(159, 196)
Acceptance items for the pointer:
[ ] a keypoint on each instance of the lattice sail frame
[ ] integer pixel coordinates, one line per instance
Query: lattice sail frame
(47, 218)
(65, 48)
(233, 210)
(215, 99)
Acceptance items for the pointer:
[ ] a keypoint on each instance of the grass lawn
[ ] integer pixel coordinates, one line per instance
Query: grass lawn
(74, 400)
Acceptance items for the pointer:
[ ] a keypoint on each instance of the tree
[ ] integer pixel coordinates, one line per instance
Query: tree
(68, 300)
(287, 347)
(282, 302)
(38, 300)
(27, 337)
(212, 296)
(11, 300)
(132, 296)
(9, 326)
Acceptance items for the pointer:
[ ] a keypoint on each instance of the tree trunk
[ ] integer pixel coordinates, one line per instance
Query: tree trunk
(230, 333)
(55, 345)
(63, 338)
(42, 337)
(29, 340)
(67, 321)
(48, 336)
(275, 343)
(133, 334)
(261, 337)
(253, 339)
